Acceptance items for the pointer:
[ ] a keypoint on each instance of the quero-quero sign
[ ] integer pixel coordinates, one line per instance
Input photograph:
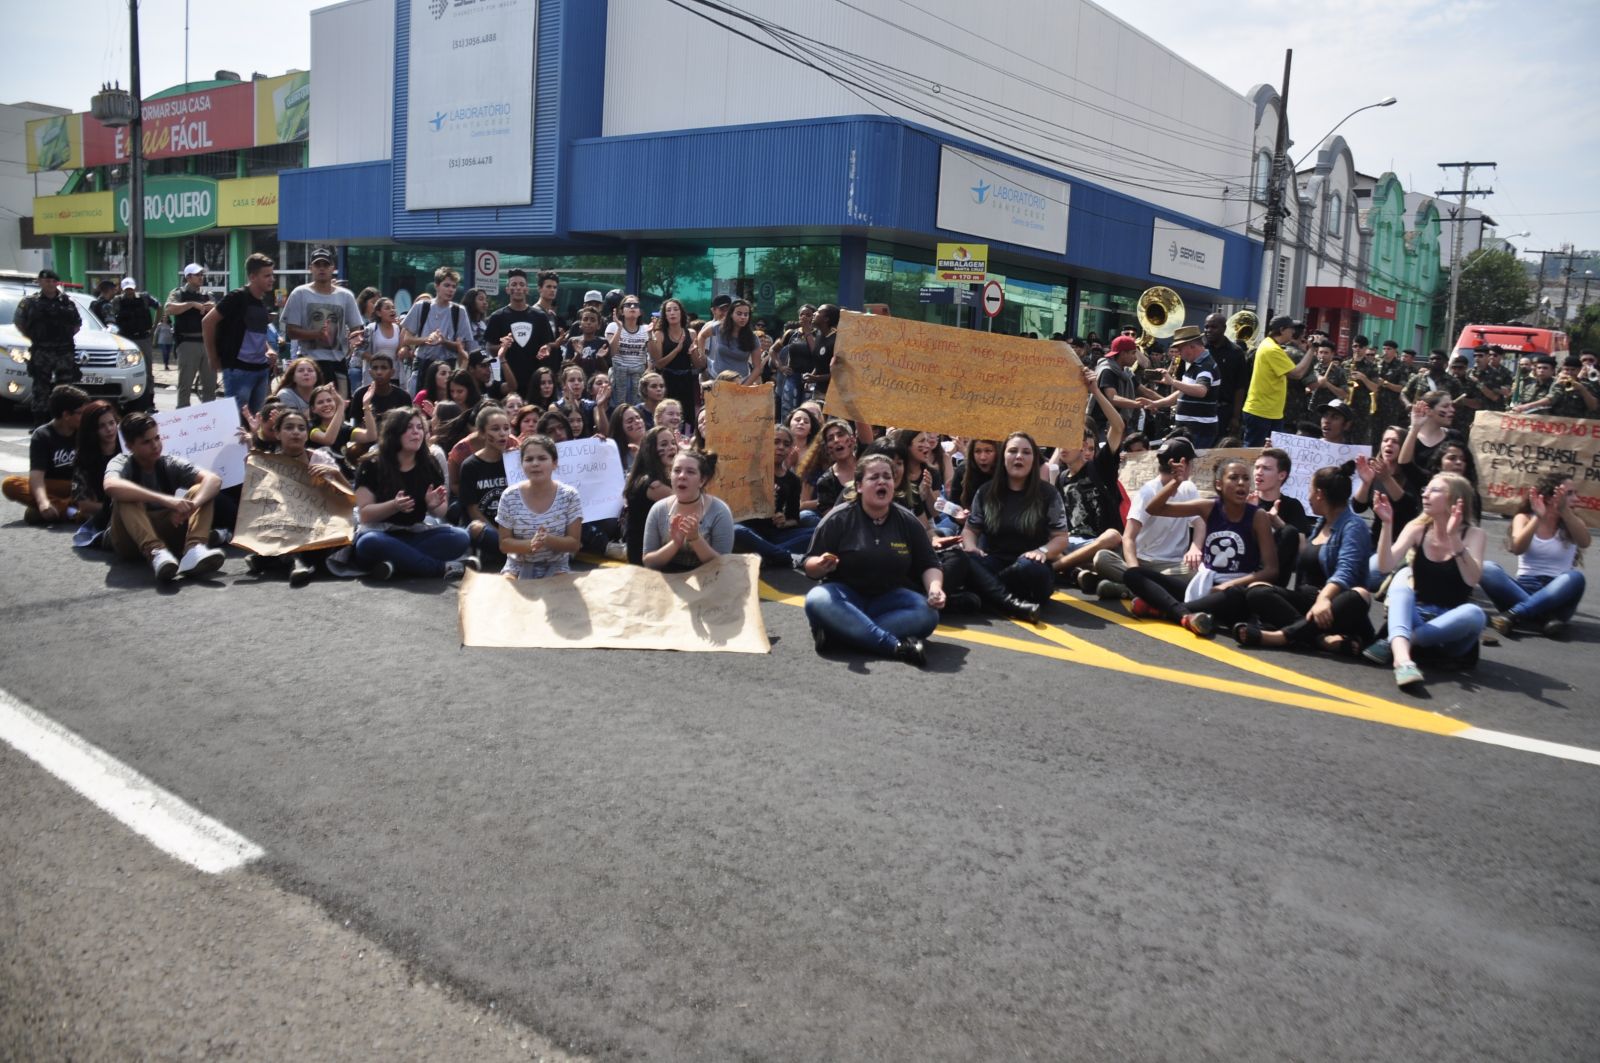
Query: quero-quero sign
(173, 206)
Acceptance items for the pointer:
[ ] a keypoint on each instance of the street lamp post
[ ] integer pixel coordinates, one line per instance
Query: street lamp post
(114, 107)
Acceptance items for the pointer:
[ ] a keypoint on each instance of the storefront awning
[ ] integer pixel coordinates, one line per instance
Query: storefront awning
(1350, 299)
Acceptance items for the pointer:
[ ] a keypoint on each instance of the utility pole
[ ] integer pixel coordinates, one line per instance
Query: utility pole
(1275, 196)
(1566, 285)
(1563, 253)
(1459, 236)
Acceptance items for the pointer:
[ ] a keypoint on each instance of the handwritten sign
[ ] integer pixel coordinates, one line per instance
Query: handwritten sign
(713, 609)
(956, 382)
(1307, 455)
(1139, 469)
(1513, 450)
(591, 465)
(207, 437)
(281, 510)
(739, 430)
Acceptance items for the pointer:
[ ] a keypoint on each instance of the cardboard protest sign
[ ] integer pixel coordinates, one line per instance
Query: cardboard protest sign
(739, 430)
(1513, 450)
(712, 609)
(1307, 455)
(282, 511)
(593, 466)
(908, 374)
(1139, 469)
(207, 437)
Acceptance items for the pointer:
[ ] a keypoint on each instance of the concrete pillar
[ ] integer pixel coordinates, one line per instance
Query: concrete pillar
(852, 272)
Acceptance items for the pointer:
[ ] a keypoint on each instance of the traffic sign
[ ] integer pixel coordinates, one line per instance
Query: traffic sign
(994, 297)
(486, 271)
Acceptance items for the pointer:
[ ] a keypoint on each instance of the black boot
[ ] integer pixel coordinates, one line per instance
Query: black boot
(1020, 609)
(912, 650)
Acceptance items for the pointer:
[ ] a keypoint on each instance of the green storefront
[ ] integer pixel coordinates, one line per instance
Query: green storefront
(1403, 263)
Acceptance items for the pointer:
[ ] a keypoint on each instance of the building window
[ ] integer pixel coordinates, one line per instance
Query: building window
(1259, 186)
(1334, 225)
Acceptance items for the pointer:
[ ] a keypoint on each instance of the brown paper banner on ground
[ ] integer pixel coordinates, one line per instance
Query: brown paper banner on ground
(1139, 469)
(1513, 450)
(958, 382)
(739, 430)
(713, 609)
(281, 511)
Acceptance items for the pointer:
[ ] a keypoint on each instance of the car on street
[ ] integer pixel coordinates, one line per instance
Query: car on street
(112, 366)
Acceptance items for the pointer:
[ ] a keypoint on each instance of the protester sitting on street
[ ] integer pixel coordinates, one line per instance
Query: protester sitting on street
(648, 482)
(1159, 543)
(828, 466)
(627, 431)
(1428, 606)
(1087, 479)
(397, 487)
(1017, 526)
(482, 481)
(161, 505)
(1290, 524)
(1432, 417)
(1455, 456)
(293, 434)
(1327, 609)
(543, 392)
(97, 445)
(540, 520)
(380, 394)
(330, 430)
(46, 491)
(669, 414)
(777, 538)
(977, 466)
(691, 527)
(525, 422)
(804, 424)
(573, 383)
(555, 425)
(433, 387)
(869, 555)
(1547, 535)
(1237, 553)
(299, 380)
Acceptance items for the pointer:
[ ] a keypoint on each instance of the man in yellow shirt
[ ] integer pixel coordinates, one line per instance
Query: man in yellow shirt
(1274, 367)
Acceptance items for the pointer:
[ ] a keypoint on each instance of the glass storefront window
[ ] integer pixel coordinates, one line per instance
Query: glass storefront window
(775, 280)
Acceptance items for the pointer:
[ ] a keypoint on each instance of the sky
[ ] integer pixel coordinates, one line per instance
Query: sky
(1505, 81)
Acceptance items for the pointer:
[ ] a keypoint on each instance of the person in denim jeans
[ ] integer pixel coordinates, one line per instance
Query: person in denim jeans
(236, 336)
(1428, 604)
(629, 340)
(1546, 535)
(398, 486)
(869, 554)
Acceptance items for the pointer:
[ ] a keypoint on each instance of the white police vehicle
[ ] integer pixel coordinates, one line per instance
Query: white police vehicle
(112, 366)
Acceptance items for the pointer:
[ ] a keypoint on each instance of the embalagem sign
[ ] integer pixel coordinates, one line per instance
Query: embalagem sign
(173, 206)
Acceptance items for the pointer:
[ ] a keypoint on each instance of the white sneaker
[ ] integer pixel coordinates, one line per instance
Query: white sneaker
(200, 560)
(164, 565)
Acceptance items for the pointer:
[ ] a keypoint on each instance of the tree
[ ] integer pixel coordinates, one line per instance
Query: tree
(1494, 289)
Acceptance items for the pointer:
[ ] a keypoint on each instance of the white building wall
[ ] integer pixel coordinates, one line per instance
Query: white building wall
(352, 82)
(1075, 88)
(18, 186)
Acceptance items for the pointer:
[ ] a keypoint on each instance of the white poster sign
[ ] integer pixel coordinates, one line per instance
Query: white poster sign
(591, 465)
(469, 126)
(1184, 254)
(1307, 455)
(985, 198)
(207, 437)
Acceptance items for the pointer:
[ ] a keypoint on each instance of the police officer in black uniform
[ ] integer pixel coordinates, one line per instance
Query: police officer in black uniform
(49, 319)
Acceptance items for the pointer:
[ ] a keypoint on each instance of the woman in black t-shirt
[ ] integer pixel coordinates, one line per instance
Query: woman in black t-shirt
(648, 483)
(1017, 526)
(97, 445)
(870, 555)
(483, 481)
(397, 487)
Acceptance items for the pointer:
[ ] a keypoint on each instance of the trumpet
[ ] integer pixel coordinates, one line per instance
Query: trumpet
(1242, 329)
(1160, 312)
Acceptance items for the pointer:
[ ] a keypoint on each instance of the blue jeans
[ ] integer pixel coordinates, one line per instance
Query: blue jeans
(414, 553)
(773, 551)
(1453, 631)
(625, 387)
(875, 625)
(1257, 430)
(1203, 436)
(247, 387)
(1530, 598)
(788, 389)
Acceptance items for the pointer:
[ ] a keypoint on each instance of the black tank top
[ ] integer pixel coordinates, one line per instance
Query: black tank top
(1438, 583)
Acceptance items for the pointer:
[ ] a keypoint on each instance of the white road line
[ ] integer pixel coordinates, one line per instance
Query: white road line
(139, 804)
(1530, 745)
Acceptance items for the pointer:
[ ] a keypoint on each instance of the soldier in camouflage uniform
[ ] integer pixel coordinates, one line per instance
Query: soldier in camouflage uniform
(49, 318)
(1436, 377)
(1534, 388)
(1469, 400)
(1567, 396)
(1364, 387)
(1392, 376)
(1327, 380)
(1494, 379)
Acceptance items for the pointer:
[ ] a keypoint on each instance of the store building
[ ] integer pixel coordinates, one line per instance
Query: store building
(20, 247)
(1402, 259)
(213, 151)
(806, 183)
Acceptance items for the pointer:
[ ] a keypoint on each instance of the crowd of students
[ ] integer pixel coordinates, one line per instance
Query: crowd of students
(896, 526)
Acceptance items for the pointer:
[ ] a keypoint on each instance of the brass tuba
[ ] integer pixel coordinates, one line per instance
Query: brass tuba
(1160, 312)
(1243, 328)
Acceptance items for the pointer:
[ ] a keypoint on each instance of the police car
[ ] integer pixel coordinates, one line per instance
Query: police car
(112, 367)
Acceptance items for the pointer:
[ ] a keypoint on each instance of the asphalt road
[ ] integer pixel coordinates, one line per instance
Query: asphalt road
(1079, 842)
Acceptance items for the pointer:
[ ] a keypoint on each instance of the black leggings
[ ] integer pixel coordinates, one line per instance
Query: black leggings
(1279, 610)
(1165, 593)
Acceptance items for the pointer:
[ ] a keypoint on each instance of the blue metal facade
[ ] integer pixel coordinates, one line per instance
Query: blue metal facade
(337, 204)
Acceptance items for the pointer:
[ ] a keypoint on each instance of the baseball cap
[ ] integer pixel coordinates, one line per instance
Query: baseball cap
(192, 268)
(1338, 406)
(1283, 321)
(1175, 449)
(1123, 344)
(593, 296)
(321, 254)
(722, 300)
(477, 358)
(129, 284)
